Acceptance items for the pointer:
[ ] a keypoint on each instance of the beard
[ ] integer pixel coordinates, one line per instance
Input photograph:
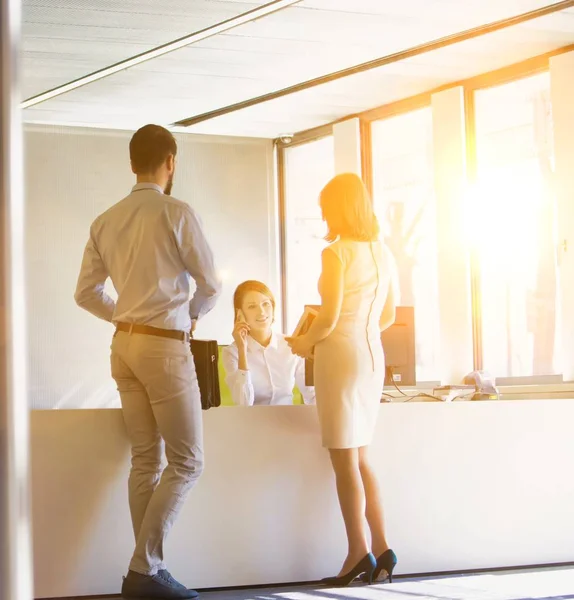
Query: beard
(168, 186)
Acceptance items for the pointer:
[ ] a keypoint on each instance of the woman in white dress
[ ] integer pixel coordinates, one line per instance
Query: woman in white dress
(259, 366)
(349, 372)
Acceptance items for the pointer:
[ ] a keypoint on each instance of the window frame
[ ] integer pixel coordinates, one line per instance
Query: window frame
(509, 74)
(487, 81)
(402, 108)
(300, 139)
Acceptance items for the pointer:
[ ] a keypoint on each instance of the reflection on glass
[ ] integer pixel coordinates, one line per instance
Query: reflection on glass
(515, 218)
(403, 193)
(308, 168)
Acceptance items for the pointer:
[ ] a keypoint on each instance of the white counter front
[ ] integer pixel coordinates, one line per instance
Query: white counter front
(466, 485)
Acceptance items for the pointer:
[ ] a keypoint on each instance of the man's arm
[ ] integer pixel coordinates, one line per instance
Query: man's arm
(198, 260)
(90, 294)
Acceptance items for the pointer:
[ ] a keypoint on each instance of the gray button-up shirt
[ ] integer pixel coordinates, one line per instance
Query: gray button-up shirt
(149, 244)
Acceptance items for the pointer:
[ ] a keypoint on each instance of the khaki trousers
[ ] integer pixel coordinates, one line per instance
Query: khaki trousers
(161, 406)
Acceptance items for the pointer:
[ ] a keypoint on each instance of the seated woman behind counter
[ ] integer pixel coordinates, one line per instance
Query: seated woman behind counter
(259, 366)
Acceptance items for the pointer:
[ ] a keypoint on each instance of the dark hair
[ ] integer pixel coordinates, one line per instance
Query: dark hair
(251, 286)
(348, 209)
(149, 148)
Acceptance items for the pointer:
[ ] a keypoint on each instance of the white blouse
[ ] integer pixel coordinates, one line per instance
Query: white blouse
(273, 373)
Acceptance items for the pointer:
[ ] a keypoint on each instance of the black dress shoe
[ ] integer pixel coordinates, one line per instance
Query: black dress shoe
(165, 574)
(161, 586)
(385, 562)
(364, 569)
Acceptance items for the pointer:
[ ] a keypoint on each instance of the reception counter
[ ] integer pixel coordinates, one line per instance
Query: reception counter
(466, 486)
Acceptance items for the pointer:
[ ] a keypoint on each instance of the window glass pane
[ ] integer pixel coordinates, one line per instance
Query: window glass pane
(308, 168)
(403, 190)
(515, 229)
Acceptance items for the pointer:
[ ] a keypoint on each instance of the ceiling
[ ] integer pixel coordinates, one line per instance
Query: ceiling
(67, 39)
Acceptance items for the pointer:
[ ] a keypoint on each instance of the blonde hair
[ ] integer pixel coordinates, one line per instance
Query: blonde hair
(348, 209)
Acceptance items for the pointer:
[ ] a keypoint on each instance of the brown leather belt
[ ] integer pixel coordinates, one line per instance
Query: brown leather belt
(149, 330)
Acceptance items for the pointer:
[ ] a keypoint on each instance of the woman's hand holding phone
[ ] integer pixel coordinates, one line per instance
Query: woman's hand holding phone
(240, 330)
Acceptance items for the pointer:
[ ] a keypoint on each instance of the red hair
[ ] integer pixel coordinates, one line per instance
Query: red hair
(348, 209)
(251, 286)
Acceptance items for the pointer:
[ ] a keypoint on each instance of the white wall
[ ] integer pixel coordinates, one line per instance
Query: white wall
(347, 146)
(72, 175)
(467, 485)
(455, 314)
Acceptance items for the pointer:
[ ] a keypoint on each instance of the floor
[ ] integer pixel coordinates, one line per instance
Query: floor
(539, 584)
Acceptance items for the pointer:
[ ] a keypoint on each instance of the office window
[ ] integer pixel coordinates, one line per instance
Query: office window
(74, 174)
(308, 167)
(515, 229)
(403, 193)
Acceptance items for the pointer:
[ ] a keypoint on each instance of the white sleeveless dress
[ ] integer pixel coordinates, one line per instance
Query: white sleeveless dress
(349, 365)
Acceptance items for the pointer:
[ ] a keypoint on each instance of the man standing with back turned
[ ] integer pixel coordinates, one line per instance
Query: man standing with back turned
(149, 244)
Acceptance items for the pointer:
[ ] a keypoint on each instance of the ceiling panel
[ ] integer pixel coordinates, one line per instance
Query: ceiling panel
(424, 8)
(67, 39)
(305, 41)
(403, 22)
(329, 102)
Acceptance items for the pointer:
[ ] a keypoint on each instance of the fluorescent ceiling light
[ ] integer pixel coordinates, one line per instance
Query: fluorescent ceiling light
(242, 19)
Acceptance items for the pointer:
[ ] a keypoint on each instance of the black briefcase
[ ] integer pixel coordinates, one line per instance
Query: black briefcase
(205, 356)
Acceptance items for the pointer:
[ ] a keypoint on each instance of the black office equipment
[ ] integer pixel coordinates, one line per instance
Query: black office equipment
(399, 346)
(205, 356)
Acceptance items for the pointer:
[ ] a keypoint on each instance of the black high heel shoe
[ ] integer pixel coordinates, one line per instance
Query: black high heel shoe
(385, 562)
(365, 569)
